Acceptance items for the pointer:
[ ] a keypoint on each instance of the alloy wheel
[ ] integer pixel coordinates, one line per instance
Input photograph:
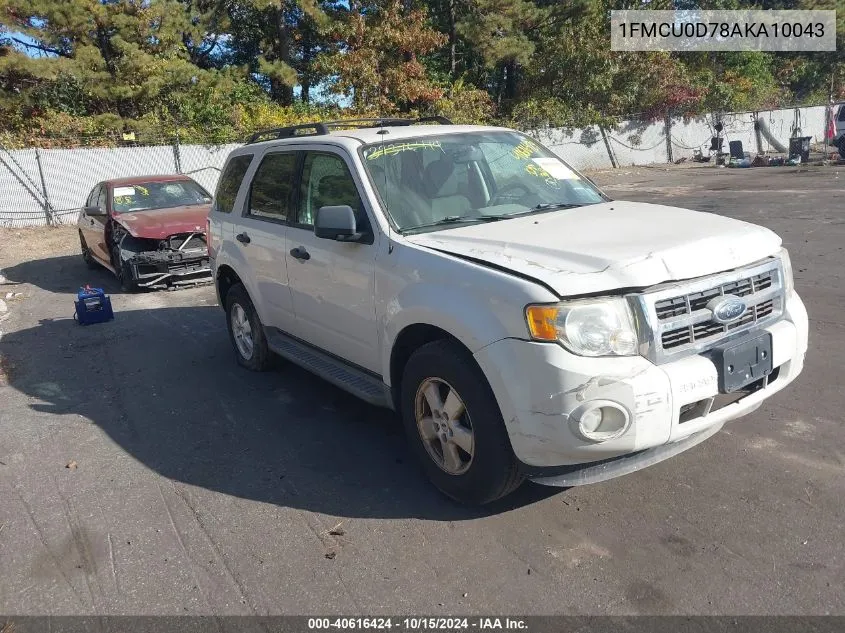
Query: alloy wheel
(444, 426)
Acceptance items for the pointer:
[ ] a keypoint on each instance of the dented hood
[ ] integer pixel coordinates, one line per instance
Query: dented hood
(610, 245)
(159, 223)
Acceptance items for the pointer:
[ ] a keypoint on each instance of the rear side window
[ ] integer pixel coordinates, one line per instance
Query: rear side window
(271, 188)
(230, 182)
(842, 112)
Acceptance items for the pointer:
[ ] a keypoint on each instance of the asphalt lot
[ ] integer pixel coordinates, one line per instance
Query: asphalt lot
(200, 488)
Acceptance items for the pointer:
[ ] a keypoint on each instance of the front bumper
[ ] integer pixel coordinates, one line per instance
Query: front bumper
(170, 268)
(538, 386)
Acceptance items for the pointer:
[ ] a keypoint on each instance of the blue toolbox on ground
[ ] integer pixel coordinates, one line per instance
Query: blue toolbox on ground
(92, 306)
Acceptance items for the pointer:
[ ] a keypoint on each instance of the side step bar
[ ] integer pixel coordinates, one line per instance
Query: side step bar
(334, 370)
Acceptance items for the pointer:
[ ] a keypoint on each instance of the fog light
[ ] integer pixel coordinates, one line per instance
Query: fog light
(601, 420)
(591, 420)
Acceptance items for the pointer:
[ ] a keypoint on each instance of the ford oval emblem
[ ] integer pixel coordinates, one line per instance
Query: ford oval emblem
(727, 309)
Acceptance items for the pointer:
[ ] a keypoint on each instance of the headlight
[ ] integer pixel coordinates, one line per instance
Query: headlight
(589, 327)
(786, 263)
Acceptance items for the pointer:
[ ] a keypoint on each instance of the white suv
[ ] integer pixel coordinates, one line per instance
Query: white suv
(522, 323)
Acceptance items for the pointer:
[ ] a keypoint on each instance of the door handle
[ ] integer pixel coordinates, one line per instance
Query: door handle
(300, 253)
(243, 238)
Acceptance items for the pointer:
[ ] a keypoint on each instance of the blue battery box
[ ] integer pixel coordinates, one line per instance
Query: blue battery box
(92, 306)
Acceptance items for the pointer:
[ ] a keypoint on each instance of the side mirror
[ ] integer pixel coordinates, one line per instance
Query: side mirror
(94, 211)
(336, 223)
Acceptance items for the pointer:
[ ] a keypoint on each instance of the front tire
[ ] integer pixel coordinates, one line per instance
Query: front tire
(123, 272)
(246, 331)
(455, 426)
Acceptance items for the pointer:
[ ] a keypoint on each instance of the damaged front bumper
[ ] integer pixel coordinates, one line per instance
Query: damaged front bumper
(159, 269)
(181, 260)
(542, 389)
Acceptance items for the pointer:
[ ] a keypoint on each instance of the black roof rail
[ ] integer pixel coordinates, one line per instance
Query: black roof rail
(319, 128)
(289, 131)
(387, 121)
(442, 120)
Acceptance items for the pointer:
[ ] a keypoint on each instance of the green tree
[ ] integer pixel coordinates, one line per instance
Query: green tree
(278, 41)
(503, 34)
(378, 61)
(117, 57)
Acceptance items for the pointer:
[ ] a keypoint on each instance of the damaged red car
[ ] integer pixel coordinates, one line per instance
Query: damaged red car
(148, 230)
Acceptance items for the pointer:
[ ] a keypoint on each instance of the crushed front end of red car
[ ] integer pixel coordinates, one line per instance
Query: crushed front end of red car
(150, 256)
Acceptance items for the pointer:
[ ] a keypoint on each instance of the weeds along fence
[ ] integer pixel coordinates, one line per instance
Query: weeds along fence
(47, 186)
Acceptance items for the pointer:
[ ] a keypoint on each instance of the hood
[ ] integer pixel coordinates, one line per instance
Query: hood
(609, 246)
(157, 224)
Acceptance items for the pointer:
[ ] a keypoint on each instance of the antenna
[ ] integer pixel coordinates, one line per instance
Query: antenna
(382, 132)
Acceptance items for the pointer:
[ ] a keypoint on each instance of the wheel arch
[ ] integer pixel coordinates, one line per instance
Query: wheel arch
(410, 339)
(226, 277)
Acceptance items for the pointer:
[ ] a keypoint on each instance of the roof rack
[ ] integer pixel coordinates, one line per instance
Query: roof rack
(320, 128)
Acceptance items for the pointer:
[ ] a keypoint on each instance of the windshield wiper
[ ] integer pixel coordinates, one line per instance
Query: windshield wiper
(545, 206)
(453, 219)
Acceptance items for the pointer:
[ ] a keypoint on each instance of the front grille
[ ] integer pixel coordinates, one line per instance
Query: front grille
(687, 304)
(708, 329)
(680, 320)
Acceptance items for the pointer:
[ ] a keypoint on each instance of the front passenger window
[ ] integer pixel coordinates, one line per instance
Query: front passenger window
(92, 197)
(326, 182)
(102, 199)
(271, 188)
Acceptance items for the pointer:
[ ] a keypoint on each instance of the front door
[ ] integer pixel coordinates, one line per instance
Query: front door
(332, 283)
(94, 226)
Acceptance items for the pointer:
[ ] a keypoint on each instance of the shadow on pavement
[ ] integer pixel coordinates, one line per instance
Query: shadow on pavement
(54, 274)
(164, 385)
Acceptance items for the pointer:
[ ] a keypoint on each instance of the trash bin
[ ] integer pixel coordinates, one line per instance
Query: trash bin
(800, 146)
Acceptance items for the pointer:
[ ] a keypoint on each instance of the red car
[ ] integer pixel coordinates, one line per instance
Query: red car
(147, 230)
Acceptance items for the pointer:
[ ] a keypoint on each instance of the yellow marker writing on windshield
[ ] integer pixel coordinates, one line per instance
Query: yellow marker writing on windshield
(524, 150)
(395, 148)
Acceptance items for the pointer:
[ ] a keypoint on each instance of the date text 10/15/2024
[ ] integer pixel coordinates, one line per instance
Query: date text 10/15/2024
(410, 623)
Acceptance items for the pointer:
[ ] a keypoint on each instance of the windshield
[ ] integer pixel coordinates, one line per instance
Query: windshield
(434, 182)
(158, 195)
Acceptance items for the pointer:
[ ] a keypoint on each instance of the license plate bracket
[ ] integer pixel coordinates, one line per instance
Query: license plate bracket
(740, 364)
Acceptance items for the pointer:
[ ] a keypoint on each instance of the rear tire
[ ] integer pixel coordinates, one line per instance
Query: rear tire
(842, 147)
(455, 426)
(87, 257)
(246, 331)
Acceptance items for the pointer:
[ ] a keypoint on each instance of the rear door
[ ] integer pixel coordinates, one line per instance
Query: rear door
(220, 227)
(260, 235)
(333, 283)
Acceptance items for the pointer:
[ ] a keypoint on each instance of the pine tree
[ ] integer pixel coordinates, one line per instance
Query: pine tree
(119, 57)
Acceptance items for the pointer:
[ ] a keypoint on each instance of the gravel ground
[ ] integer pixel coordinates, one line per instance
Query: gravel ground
(142, 472)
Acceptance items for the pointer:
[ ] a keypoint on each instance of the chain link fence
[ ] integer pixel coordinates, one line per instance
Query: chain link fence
(47, 185)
